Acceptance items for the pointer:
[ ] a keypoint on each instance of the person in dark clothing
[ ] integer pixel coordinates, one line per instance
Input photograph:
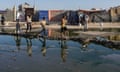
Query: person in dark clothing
(2, 20)
(17, 26)
(63, 25)
(85, 20)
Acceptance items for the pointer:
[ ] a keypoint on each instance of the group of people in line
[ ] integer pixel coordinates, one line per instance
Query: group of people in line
(83, 21)
(29, 24)
(64, 31)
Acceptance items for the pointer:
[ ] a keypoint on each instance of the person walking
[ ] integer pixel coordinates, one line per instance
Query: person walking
(80, 19)
(85, 21)
(17, 27)
(29, 23)
(63, 26)
(101, 25)
(43, 25)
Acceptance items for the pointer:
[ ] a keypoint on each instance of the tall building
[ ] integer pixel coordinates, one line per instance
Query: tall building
(14, 13)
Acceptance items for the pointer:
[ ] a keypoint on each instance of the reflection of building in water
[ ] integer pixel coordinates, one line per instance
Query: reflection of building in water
(43, 50)
(63, 50)
(29, 46)
(18, 41)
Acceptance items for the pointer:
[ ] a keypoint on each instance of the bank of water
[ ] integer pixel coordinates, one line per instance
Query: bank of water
(18, 54)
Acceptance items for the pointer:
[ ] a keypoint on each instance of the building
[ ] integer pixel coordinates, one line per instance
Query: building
(24, 10)
(97, 15)
(2, 12)
(114, 14)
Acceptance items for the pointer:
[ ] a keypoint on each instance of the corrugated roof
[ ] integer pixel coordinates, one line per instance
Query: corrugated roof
(91, 10)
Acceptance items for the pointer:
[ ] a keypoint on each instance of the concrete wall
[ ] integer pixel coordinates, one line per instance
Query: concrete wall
(56, 15)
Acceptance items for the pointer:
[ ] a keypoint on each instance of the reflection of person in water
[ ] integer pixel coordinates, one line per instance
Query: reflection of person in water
(29, 46)
(43, 50)
(85, 44)
(18, 40)
(63, 50)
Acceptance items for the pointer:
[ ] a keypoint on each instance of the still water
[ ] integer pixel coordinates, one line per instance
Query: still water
(18, 54)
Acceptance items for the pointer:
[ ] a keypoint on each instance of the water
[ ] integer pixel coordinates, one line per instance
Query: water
(18, 54)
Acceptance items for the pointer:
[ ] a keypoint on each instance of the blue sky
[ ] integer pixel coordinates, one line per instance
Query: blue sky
(62, 4)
